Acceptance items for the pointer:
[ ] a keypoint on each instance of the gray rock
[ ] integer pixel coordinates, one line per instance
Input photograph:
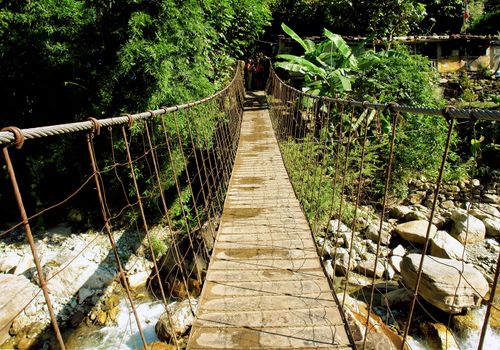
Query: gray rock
(77, 274)
(445, 246)
(329, 269)
(177, 320)
(397, 298)
(417, 197)
(415, 231)
(399, 251)
(338, 226)
(415, 215)
(450, 285)
(491, 198)
(399, 211)
(467, 228)
(483, 211)
(17, 291)
(492, 226)
(326, 246)
(395, 262)
(448, 204)
(342, 264)
(8, 262)
(372, 232)
(367, 266)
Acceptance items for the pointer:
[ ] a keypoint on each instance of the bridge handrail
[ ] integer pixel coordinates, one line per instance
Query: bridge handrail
(8, 137)
(449, 112)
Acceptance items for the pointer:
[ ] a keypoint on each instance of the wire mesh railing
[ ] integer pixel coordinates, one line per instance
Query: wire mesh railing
(348, 162)
(164, 170)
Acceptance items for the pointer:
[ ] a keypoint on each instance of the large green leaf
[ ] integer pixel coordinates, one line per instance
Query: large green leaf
(342, 47)
(307, 65)
(297, 38)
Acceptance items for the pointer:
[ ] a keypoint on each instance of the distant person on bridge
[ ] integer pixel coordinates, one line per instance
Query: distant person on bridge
(249, 70)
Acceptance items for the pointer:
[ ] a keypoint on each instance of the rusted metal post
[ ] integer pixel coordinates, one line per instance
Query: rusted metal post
(31, 241)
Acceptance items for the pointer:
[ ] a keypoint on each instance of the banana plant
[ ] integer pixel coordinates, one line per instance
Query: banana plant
(330, 67)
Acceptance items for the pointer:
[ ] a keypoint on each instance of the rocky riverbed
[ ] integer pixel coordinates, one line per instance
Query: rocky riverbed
(458, 266)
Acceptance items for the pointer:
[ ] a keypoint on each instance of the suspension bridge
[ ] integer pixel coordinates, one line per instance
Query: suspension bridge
(221, 169)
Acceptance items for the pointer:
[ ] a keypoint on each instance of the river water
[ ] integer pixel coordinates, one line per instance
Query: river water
(123, 335)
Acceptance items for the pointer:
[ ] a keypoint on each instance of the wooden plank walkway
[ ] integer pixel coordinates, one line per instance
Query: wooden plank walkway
(265, 288)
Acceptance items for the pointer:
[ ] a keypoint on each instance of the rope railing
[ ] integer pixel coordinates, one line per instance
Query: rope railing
(344, 167)
(451, 112)
(159, 178)
(8, 136)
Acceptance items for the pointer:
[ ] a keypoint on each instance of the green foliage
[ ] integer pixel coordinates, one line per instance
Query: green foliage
(159, 247)
(383, 18)
(64, 61)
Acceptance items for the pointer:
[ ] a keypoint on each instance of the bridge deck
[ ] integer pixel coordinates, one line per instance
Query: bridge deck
(265, 288)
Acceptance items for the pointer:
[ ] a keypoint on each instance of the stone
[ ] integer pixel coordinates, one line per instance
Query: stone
(156, 345)
(17, 291)
(491, 198)
(76, 319)
(84, 293)
(439, 336)
(442, 278)
(467, 228)
(26, 343)
(399, 251)
(399, 211)
(181, 316)
(448, 204)
(395, 262)
(367, 266)
(329, 269)
(390, 272)
(475, 182)
(138, 280)
(466, 323)
(417, 197)
(325, 246)
(397, 298)
(8, 262)
(445, 246)
(342, 264)
(415, 231)
(113, 313)
(24, 264)
(379, 336)
(78, 274)
(482, 211)
(372, 232)
(101, 317)
(415, 215)
(492, 226)
(338, 226)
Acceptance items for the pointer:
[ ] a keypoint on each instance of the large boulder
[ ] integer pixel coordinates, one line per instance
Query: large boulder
(379, 336)
(372, 232)
(9, 261)
(342, 263)
(177, 320)
(368, 268)
(450, 285)
(438, 336)
(445, 246)
(65, 278)
(482, 211)
(399, 211)
(467, 228)
(17, 291)
(415, 231)
(492, 226)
